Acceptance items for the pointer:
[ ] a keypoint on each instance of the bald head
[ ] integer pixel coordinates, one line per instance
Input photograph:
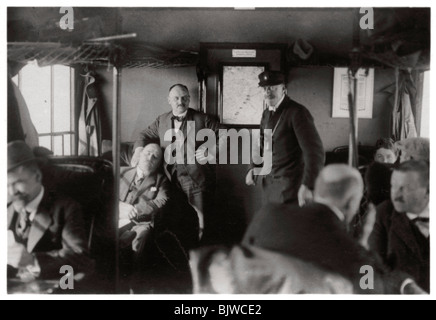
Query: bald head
(341, 186)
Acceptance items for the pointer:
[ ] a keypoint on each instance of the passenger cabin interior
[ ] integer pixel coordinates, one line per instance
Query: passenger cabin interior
(93, 78)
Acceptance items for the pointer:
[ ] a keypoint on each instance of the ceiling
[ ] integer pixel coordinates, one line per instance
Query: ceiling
(328, 30)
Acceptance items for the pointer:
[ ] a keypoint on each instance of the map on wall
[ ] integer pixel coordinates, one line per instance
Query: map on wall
(242, 96)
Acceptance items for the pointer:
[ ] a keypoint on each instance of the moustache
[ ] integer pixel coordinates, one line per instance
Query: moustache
(399, 199)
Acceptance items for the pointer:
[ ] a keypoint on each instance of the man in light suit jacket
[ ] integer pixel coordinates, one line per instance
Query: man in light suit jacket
(144, 193)
(45, 231)
(197, 181)
(297, 151)
(401, 233)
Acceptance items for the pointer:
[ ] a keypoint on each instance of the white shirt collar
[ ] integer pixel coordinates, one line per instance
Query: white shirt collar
(336, 211)
(274, 108)
(423, 214)
(423, 227)
(32, 206)
(182, 115)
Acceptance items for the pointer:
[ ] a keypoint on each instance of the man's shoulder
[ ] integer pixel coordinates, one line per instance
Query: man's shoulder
(201, 115)
(164, 116)
(294, 107)
(385, 209)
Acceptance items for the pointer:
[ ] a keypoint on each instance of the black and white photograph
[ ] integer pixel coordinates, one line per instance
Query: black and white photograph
(217, 151)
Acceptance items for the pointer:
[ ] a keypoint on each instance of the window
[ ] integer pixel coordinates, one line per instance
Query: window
(48, 92)
(425, 116)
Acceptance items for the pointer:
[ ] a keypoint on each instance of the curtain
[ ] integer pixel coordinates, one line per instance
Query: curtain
(89, 121)
(403, 100)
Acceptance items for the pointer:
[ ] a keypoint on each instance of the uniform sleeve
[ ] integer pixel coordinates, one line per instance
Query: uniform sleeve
(260, 143)
(310, 144)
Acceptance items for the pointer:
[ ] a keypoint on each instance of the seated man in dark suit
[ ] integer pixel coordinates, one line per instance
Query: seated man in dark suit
(46, 231)
(318, 233)
(401, 232)
(144, 192)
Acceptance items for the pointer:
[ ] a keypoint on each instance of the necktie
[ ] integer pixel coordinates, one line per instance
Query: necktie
(25, 224)
(138, 181)
(423, 220)
(423, 225)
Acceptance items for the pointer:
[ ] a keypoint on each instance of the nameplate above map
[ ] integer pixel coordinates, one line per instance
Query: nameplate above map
(238, 53)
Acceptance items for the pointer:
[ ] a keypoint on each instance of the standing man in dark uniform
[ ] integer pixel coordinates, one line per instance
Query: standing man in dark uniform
(197, 181)
(297, 151)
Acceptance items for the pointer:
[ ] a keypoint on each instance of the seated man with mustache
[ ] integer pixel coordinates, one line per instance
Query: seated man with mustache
(401, 233)
(46, 230)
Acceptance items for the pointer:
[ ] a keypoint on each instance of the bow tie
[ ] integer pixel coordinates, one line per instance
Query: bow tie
(424, 220)
(272, 109)
(179, 119)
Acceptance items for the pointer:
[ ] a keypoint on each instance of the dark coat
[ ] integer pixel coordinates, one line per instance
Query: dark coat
(57, 236)
(298, 153)
(400, 244)
(200, 175)
(315, 234)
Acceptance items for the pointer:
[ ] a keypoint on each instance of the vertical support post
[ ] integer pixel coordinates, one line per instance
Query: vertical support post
(116, 137)
(355, 55)
(353, 155)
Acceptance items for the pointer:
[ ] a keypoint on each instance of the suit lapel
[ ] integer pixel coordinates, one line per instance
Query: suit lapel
(11, 218)
(401, 228)
(148, 182)
(125, 183)
(40, 224)
(187, 130)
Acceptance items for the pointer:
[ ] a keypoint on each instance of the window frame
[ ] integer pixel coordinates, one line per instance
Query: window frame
(53, 134)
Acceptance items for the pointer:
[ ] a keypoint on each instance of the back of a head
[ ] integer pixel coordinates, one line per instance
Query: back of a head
(337, 184)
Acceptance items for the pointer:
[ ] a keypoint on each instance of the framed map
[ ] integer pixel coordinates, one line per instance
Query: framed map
(242, 98)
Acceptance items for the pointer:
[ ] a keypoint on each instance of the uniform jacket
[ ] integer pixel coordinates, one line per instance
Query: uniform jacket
(298, 152)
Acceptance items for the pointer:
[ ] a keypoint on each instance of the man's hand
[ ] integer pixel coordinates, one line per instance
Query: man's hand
(368, 226)
(305, 196)
(201, 157)
(413, 288)
(18, 257)
(127, 211)
(136, 155)
(249, 180)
